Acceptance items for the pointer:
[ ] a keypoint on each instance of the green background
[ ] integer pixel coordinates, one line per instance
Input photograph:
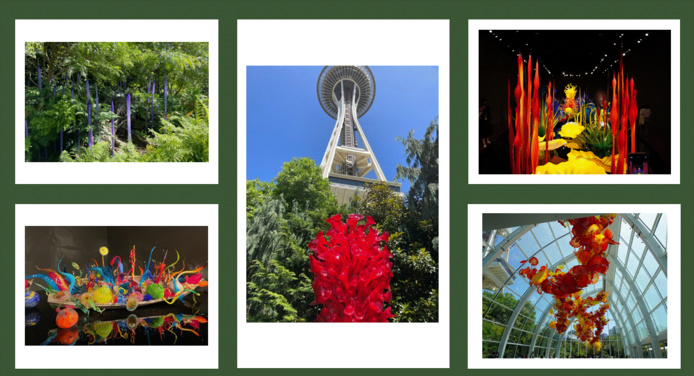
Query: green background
(224, 194)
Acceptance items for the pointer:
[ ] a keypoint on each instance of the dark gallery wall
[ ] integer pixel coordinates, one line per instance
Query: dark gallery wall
(46, 244)
(648, 63)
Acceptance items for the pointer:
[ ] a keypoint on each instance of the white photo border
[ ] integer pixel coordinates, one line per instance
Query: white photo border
(117, 31)
(206, 357)
(474, 347)
(474, 26)
(373, 345)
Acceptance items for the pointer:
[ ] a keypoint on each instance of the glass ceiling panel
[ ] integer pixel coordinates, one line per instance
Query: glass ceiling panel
(632, 264)
(638, 246)
(528, 243)
(648, 219)
(543, 234)
(625, 230)
(515, 256)
(652, 297)
(553, 253)
(661, 283)
(623, 250)
(642, 279)
(650, 263)
(660, 319)
(558, 229)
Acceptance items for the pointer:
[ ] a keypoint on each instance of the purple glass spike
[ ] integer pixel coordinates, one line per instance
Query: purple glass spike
(96, 115)
(166, 89)
(54, 91)
(40, 85)
(151, 133)
(65, 84)
(89, 122)
(113, 133)
(26, 129)
(127, 101)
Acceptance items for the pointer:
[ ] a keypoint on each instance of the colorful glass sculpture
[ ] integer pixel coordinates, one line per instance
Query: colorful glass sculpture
(31, 299)
(66, 318)
(352, 268)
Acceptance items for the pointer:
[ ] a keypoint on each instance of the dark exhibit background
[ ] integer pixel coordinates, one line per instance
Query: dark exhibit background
(46, 244)
(578, 52)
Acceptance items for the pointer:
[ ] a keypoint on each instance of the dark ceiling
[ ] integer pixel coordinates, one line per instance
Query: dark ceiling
(576, 52)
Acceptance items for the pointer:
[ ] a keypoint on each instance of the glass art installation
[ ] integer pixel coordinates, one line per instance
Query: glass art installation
(591, 237)
(109, 286)
(352, 268)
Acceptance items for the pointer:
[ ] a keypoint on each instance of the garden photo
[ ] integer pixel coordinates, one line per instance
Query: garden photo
(116, 101)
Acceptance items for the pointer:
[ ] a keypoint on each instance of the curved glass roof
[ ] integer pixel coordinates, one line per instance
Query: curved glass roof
(516, 317)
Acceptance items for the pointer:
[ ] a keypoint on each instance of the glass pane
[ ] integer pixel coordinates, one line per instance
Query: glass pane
(641, 329)
(566, 248)
(622, 250)
(510, 351)
(543, 234)
(625, 231)
(661, 283)
(652, 298)
(515, 256)
(558, 229)
(552, 252)
(636, 315)
(660, 319)
(492, 331)
(528, 244)
(632, 264)
(631, 302)
(650, 263)
(642, 279)
(661, 231)
(648, 219)
(638, 246)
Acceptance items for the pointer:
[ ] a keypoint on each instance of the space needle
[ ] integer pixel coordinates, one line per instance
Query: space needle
(346, 93)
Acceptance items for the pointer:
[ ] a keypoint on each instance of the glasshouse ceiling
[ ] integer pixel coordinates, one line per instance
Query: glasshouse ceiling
(636, 282)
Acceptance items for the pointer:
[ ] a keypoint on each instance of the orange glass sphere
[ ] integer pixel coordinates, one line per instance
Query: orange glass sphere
(66, 318)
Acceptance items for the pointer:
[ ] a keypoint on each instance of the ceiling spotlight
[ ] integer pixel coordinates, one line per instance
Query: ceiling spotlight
(646, 34)
(639, 41)
(526, 44)
(500, 39)
(490, 31)
(615, 44)
(624, 54)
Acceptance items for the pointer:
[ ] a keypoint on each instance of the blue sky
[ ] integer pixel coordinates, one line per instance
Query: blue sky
(285, 119)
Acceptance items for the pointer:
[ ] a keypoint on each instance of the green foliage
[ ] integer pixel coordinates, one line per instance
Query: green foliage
(282, 216)
(301, 184)
(277, 235)
(257, 192)
(598, 140)
(186, 143)
(423, 174)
